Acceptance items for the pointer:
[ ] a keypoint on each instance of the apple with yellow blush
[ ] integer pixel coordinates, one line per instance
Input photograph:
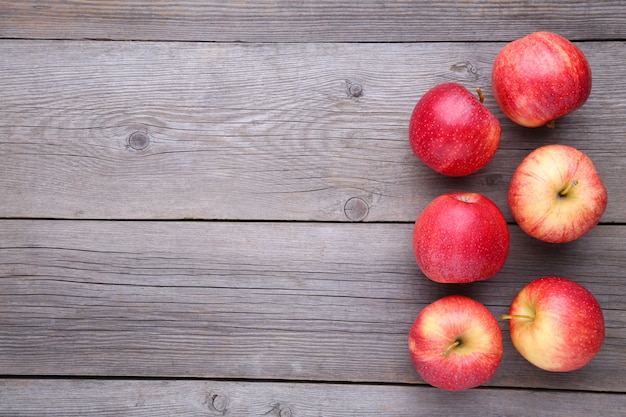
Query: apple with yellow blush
(556, 324)
(556, 195)
(455, 343)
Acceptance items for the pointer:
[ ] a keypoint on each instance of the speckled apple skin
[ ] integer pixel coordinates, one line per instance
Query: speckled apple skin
(452, 132)
(568, 329)
(540, 78)
(439, 324)
(460, 238)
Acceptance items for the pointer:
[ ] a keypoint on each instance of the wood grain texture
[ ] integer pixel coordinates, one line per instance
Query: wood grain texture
(306, 21)
(71, 398)
(286, 301)
(259, 131)
(206, 207)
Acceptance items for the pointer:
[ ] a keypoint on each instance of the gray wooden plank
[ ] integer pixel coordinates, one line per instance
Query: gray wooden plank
(298, 21)
(288, 300)
(33, 398)
(259, 131)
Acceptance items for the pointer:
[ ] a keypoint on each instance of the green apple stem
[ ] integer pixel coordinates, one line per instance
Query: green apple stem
(451, 347)
(516, 316)
(481, 97)
(567, 188)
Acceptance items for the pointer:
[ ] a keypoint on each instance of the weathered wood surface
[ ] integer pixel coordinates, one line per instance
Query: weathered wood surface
(260, 132)
(287, 301)
(30, 398)
(310, 21)
(216, 219)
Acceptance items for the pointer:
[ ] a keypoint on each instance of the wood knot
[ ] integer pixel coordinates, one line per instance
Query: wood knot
(280, 410)
(466, 67)
(356, 209)
(218, 403)
(138, 140)
(354, 89)
(285, 411)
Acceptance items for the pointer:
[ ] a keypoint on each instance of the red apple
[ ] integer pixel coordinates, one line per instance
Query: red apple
(556, 194)
(539, 78)
(452, 132)
(455, 343)
(556, 324)
(460, 238)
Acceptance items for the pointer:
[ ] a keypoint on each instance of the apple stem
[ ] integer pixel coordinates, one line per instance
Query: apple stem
(551, 124)
(451, 347)
(481, 97)
(567, 189)
(515, 316)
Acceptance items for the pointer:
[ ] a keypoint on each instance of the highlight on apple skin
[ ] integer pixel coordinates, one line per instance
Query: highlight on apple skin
(460, 238)
(455, 343)
(540, 78)
(556, 324)
(556, 195)
(452, 131)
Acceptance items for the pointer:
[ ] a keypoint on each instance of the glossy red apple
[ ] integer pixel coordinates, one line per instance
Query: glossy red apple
(556, 324)
(455, 343)
(539, 78)
(556, 195)
(461, 238)
(452, 132)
